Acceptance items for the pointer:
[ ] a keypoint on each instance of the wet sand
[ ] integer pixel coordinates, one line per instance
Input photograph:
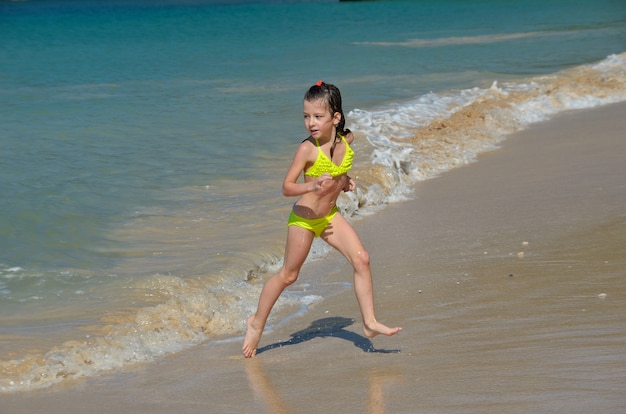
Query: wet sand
(507, 276)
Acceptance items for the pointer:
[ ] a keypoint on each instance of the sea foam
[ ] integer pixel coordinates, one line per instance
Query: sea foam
(420, 139)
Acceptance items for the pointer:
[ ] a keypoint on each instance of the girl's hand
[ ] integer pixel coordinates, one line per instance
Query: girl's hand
(322, 182)
(350, 185)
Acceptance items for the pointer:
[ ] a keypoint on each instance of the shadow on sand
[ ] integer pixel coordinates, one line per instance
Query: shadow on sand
(330, 327)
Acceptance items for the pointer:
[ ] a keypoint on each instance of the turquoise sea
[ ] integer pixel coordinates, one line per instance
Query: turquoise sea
(143, 145)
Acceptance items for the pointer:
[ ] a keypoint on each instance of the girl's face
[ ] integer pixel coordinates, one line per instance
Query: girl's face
(319, 121)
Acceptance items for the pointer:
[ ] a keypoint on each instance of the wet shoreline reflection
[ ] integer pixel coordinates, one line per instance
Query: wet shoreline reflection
(333, 327)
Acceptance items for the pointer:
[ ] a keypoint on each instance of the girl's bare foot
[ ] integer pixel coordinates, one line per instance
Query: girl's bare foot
(252, 339)
(378, 328)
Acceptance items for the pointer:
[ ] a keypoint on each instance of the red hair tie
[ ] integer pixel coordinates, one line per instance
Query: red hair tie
(319, 83)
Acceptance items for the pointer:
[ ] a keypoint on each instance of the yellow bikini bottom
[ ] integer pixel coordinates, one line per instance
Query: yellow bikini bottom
(316, 225)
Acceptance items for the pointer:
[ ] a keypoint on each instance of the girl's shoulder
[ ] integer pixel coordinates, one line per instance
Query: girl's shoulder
(308, 148)
(308, 145)
(310, 140)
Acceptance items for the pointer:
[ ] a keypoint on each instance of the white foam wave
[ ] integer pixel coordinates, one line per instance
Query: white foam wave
(193, 311)
(420, 139)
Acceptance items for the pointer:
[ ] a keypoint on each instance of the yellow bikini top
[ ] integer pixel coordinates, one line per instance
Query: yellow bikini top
(323, 164)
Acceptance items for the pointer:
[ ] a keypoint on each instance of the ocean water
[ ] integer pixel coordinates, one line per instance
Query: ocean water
(143, 146)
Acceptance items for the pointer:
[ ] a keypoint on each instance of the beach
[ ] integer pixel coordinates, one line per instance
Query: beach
(141, 208)
(506, 276)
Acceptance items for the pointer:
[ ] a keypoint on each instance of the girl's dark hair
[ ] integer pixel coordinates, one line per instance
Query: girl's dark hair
(331, 95)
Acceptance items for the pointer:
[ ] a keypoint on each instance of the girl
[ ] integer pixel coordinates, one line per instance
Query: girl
(325, 158)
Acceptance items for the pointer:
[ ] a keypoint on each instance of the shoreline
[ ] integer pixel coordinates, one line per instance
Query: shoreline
(187, 259)
(505, 275)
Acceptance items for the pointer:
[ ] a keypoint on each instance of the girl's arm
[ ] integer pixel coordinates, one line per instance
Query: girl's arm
(291, 187)
(350, 185)
(349, 136)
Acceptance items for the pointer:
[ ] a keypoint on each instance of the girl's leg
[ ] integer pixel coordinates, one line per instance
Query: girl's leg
(340, 235)
(299, 242)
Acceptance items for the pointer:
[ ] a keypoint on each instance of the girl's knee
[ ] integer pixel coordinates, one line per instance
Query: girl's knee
(361, 260)
(288, 277)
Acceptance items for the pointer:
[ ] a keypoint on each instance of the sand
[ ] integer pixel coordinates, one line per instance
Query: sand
(506, 275)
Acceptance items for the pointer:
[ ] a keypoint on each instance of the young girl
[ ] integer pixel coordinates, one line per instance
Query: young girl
(325, 158)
